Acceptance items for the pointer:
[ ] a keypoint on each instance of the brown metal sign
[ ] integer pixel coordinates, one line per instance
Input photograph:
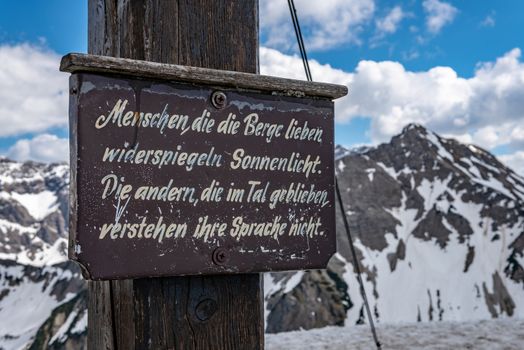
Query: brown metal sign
(171, 178)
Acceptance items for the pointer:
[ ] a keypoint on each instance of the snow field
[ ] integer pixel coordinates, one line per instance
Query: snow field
(507, 334)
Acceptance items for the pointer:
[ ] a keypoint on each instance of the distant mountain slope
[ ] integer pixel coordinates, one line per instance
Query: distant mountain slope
(35, 276)
(439, 231)
(438, 225)
(33, 212)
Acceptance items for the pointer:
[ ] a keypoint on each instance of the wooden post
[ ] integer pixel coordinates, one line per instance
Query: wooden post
(212, 312)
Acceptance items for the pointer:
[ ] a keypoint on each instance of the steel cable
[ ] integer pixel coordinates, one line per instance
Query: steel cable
(305, 62)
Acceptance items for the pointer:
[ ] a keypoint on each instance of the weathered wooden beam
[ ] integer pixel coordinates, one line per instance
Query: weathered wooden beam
(75, 62)
(213, 312)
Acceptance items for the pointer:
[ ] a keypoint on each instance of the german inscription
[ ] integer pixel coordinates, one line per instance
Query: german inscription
(167, 174)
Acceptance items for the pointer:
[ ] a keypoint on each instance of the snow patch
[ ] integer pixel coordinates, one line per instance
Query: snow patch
(61, 334)
(293, 282)
(431, 190)
(341, 166)
(38, 205)
(80, 325)
(370, 172)
(48, 255)
(390, 171)
(441, 150)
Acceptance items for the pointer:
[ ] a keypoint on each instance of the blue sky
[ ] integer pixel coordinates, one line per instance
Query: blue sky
(461, 44)
(386, 51)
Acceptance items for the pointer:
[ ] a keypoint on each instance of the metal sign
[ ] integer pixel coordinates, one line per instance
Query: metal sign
(178, 178)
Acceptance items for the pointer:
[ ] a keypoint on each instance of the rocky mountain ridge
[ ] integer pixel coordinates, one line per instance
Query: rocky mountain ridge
(439, 232)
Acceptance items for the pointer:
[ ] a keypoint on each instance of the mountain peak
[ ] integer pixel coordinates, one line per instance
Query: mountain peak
(414, 127)
(415, 136)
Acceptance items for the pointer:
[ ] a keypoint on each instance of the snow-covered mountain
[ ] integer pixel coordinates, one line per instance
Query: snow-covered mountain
(438, 227)
(439, 232)
(39, 288)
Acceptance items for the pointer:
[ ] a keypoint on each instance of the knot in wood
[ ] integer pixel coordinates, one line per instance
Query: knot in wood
(205, 309)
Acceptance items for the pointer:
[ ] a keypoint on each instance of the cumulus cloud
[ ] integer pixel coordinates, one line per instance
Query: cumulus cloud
(42, 148)
(438, 14)
(273, 62)
(33, 94)
(389, 23)
(325, 24)
(486, 109)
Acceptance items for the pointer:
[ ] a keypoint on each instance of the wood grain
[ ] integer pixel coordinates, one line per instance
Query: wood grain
(215, 312)
(161, 71)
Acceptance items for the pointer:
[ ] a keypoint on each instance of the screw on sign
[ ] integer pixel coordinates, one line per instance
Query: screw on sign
(218, 99)
(220, 256)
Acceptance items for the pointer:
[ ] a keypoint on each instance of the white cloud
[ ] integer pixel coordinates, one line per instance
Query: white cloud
(389, 24)
(410, 55)
(489, 21)
(33, 94)
(273, 62)
(42, 148)
(439, 14)
(486, 109)
(325, 24)
(514, 161)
